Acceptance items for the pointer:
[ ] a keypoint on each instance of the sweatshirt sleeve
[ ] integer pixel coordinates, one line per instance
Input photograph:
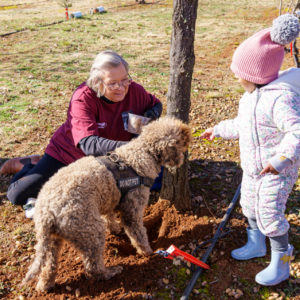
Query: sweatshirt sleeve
(279, 163)
(98, 146)
(286, 116)
(227, 129)
(82, 117)
(154, 112)
(146, 101)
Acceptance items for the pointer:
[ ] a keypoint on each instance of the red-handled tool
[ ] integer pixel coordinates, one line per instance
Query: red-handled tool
(173, 251)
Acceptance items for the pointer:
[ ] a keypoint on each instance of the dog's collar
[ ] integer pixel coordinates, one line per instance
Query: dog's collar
(127, 179)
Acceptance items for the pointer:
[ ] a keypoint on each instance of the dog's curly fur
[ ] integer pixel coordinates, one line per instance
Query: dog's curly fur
(79, 202)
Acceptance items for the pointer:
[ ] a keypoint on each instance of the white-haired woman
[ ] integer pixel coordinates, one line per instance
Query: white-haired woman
(94, 124)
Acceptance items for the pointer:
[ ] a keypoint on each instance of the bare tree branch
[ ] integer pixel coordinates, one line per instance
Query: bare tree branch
(291, 7)
(65, 3)
(297, 6)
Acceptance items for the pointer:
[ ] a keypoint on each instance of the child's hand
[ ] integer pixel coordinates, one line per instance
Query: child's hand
(208, 134)
(268, 169)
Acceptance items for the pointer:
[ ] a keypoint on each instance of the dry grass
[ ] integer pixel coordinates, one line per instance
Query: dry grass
(41, 66)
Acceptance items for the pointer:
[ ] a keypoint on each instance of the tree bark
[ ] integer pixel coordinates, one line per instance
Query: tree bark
(175, 187)
(182, 59)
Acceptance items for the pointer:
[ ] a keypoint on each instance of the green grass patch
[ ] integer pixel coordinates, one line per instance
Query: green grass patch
(197, 133)
(264, 292)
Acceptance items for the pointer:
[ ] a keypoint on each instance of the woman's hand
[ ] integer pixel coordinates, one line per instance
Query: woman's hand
(208, 134)
(269, 169)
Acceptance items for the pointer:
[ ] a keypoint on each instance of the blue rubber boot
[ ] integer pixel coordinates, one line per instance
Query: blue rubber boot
(278, 269)
(255, 246)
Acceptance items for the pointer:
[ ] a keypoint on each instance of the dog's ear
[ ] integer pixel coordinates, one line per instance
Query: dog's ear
(185, 135)
(170, 153)
(167, 139)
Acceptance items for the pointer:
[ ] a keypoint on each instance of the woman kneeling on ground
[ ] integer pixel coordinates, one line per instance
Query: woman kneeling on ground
(94, 125)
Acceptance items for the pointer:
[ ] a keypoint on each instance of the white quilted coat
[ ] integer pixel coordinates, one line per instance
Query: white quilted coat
(268, 129)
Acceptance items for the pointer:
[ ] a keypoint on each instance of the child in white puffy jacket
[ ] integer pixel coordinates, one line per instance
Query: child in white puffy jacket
(268, 129)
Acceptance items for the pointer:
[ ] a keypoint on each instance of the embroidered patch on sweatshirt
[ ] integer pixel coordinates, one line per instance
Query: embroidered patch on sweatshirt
(102, 125)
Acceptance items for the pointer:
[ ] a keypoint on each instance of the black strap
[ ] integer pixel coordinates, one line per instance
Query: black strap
(127, 179)
(146, 181)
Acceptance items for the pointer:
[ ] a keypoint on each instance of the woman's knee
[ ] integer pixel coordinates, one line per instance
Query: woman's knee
(24, 188)
(15, 195)
(29, 181)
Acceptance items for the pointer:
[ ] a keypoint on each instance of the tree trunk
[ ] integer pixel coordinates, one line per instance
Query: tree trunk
(182, 59)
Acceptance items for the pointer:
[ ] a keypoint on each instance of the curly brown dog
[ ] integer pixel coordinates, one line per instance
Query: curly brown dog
(79, 202)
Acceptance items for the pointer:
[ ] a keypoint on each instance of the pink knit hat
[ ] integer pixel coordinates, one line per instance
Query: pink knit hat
(259, 58)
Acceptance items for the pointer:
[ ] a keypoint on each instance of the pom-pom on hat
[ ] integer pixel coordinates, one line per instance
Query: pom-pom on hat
(259, 58)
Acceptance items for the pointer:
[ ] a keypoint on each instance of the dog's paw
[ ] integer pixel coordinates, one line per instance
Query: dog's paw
(111, 272)
(44, 286)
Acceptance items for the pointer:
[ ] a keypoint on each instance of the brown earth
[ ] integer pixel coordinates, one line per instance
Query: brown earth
(141, 276)
(152, 277)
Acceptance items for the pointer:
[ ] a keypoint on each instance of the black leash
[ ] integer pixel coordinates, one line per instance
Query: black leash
(218, 234)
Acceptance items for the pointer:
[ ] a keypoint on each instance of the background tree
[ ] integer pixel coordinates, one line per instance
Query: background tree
(182, 59)
(66, 4)
(288, 6)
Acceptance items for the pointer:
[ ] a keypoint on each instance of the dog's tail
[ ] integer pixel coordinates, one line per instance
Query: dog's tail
(44, 248)
(39, 260)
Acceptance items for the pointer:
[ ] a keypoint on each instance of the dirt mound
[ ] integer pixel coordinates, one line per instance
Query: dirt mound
(140, 276)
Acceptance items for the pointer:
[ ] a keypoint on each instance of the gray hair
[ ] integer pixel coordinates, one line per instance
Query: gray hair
(105, 60)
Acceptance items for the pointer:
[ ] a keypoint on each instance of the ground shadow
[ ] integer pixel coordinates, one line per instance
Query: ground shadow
(213, 185)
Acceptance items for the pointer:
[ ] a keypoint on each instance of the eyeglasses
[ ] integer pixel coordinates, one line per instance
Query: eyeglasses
(123, 83)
